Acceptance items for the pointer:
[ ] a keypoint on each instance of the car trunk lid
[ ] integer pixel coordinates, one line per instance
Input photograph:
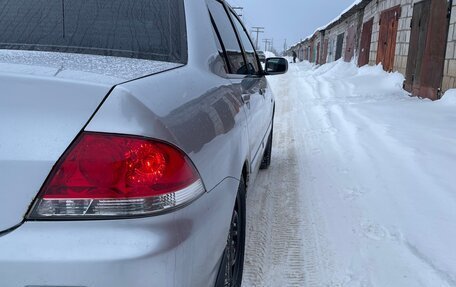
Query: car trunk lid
(44, 104)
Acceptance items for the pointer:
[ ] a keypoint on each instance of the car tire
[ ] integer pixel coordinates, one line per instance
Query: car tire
(232, 265)
(266, 161)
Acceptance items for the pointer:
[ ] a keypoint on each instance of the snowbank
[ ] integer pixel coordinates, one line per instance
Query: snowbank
(269, 54)
(449, 98)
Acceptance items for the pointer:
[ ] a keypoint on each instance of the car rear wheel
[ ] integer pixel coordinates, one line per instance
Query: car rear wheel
(231, 269)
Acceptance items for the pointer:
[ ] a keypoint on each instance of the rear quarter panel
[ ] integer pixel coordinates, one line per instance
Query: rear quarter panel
(194, 107)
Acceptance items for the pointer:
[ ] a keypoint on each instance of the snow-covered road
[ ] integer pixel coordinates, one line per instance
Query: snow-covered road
(361, 191)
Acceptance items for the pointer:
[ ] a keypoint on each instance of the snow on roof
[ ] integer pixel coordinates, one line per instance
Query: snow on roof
(355, 3)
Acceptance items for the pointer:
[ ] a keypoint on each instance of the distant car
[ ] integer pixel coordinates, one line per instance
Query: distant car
(128, 142)
(261, 56)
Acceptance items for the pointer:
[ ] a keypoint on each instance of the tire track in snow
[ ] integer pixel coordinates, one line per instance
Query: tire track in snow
(318, 130)
(286, 243)
(274, 242)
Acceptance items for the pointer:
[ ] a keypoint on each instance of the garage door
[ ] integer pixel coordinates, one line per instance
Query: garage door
(366, 40)
(389, 21)
(427, 48)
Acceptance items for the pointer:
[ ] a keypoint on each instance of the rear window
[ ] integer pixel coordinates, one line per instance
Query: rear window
(143, 29)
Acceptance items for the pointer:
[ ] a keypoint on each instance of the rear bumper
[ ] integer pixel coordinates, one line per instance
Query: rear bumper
(182, 248)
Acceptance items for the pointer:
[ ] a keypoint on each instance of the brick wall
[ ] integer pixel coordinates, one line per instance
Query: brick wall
(403, 36)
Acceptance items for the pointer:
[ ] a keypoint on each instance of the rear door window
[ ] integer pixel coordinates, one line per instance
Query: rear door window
(221, 49)
(228, 36)
(145, 29)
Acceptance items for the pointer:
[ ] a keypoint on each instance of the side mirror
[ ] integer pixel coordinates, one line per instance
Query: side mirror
(276, 66)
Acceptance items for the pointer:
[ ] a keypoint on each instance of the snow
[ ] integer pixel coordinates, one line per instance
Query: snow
(81, 67)
(361, 188)
(449, 98)
(356, 2)
(269, 54)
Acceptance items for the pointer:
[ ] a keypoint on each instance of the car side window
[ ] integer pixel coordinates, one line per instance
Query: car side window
(220, 47)
(228, 37)
(247, 44)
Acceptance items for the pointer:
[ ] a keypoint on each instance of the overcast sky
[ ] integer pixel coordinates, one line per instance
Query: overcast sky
(289, 19)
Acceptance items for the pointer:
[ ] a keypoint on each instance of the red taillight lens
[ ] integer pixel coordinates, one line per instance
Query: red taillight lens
(116, 175)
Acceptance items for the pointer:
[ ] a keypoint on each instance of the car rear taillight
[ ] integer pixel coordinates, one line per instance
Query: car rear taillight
(106, 175)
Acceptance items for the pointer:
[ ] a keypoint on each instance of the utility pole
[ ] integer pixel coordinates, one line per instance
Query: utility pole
(257, 30)
(267, 43)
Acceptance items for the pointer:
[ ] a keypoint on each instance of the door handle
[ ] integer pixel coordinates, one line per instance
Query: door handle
(246, 98)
